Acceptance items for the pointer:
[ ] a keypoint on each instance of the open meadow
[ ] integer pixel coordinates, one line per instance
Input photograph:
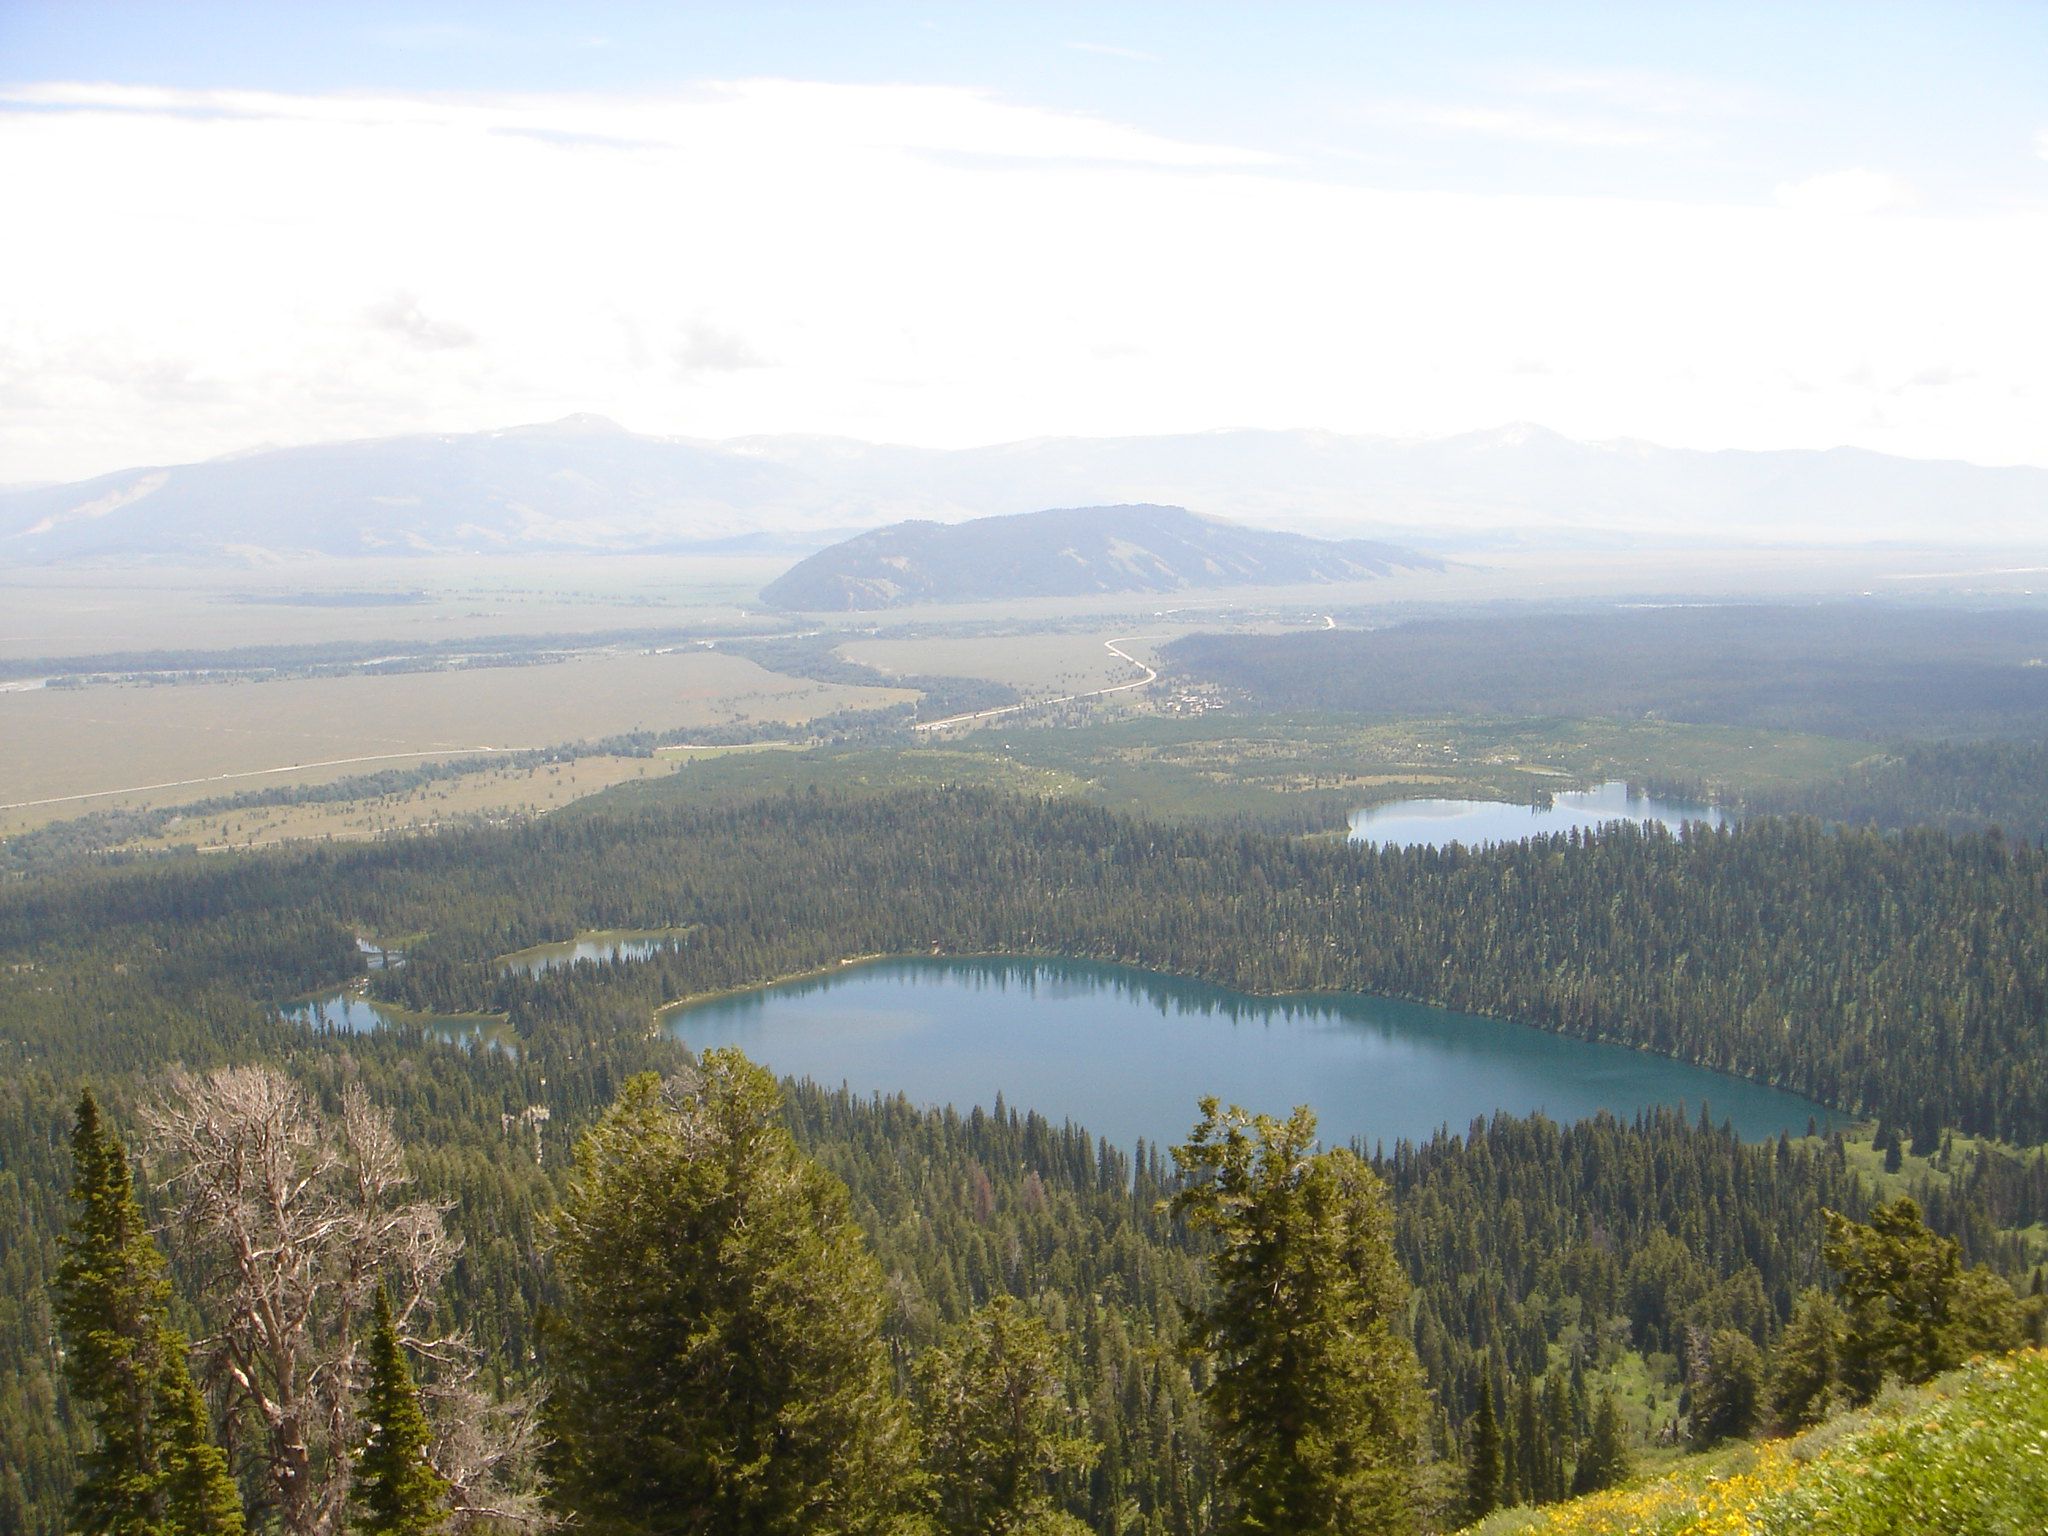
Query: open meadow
(65, 751)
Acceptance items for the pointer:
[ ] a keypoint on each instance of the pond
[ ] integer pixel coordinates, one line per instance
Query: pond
(357, 1014)
(1128, 1053)
(606, 944)
(1439, 823)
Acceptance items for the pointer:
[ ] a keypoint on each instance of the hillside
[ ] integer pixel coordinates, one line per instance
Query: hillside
(1968, 1452)
(582, 484)
(1068, 552)
(586, 484)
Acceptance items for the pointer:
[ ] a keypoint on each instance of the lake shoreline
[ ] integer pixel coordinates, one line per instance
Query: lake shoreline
(881, 1039)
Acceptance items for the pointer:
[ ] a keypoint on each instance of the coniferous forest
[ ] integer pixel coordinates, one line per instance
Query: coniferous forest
(1567, 1296)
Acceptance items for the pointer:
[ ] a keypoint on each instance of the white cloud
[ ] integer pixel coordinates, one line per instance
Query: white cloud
(189, 273)
(401, 315)
(1534, 125)
(1854, 191)
(1111, 50)
(703, 348)
(1635, 90)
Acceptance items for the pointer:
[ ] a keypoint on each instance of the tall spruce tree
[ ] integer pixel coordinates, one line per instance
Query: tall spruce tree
(111, 1297)
(1604, 1461)
(396, 1491)
(199, 1494)
(1316, 1395)
(1484, 1476)
(717, 1360)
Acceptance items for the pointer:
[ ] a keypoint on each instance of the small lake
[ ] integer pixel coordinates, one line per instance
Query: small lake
(1128, 1053)
(359, 1015)
(611, 944)
(1439, 823)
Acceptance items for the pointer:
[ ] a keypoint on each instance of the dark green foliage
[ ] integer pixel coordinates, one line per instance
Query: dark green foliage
(1912, 1310)
(1836, 670)
(199, 1495)
(961, 1209)
(1605, 1461)
(1806, 1363)
(1902, 966)
(718, 1363)
(1315, 1399)
(1484, 1472)
(1959, 787)
(155, 1470)
(396, 1490)
(1727, 1387)
(111, 1301)
(1883, 975)
(999, 1431)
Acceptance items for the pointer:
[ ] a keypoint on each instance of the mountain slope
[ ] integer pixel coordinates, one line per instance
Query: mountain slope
(586, 484)
(1968, 1452)
(1068, 552)
(579, 484)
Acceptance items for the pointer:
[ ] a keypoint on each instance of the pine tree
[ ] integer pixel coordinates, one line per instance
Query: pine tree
(1483, 1477)
(718, 1362)
(199, 1495)
(1528, 1444)
(111, 1296)
(1558, 1433)
(396, 1488)
(1315, 1399)
(1806, 1363)
(998, 1431)
(1913, 1311)
(1604, 1461)
(1727, 1386)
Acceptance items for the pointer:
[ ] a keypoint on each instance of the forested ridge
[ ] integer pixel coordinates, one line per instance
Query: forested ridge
(1545, 1259)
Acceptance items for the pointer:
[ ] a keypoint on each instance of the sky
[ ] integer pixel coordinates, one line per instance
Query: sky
(1710, 226)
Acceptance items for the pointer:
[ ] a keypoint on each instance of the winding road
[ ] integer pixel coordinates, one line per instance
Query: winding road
(1114, 647)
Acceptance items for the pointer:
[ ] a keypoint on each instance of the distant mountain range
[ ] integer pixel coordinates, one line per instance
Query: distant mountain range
(1070, 552)
(584, 484)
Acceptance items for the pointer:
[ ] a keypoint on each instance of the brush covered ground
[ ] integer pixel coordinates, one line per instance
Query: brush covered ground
(1967, 1453)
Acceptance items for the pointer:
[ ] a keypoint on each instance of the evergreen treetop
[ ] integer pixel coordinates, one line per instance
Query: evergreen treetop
(396, 1489)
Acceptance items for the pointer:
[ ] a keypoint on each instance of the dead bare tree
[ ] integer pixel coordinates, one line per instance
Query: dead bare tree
(298, 1218)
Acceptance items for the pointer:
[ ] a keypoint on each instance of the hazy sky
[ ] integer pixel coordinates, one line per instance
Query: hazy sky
(1715, 226)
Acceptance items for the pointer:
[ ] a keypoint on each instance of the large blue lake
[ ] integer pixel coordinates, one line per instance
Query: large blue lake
(1439, 823)
(1128, 1053)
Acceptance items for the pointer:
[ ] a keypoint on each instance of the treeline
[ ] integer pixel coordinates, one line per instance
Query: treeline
(1957, 787)
(1853, 669)
(817, 657)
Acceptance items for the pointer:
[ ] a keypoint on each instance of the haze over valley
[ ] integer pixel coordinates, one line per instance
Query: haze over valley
(871, 769)
(585, 485)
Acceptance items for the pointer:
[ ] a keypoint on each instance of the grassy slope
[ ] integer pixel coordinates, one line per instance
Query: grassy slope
(1967, 1453)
